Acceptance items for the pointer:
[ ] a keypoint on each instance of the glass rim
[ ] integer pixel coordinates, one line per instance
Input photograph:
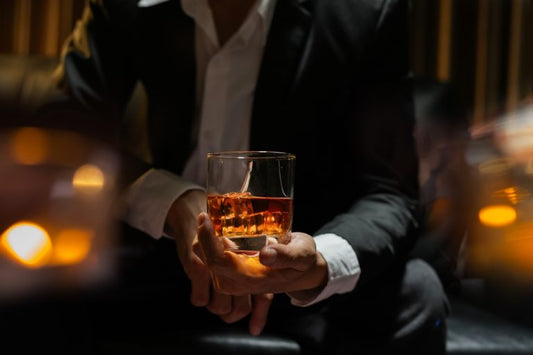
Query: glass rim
(251, 154)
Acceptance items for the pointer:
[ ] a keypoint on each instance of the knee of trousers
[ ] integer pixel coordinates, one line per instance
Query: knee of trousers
(425, 304)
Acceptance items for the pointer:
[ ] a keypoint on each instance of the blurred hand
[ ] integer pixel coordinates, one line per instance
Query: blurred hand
(181, 220)
(292, 268)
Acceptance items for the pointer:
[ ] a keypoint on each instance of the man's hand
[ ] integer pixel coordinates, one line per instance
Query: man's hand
(181, 224)
(293, 268)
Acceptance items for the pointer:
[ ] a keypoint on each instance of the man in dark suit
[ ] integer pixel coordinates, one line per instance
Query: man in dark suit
(327, 80)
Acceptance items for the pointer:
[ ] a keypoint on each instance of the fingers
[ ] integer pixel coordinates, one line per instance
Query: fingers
(200, 287)
(268, 256)
(212, 246)
(241, 307)
(261, 306)
(198, 274)
(220, 304)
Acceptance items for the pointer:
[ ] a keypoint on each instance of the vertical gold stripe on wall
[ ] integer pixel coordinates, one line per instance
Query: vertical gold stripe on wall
(22, 26)
(481, 62)
(67, 15)
(50, 33)
(515, 40)
(444, 39)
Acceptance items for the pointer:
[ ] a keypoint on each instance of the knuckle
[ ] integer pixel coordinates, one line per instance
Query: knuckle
(242, 309)
(223, 286)
(219, 308)
(265, 297)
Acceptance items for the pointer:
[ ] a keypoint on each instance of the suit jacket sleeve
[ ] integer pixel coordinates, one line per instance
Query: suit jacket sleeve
(381, 224)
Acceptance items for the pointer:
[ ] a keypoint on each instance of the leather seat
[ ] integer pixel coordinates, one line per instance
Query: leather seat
(221, 343)
(473, 330)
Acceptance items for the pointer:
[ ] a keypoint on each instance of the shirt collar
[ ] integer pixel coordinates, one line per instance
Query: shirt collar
(200, 11)
(266, 11)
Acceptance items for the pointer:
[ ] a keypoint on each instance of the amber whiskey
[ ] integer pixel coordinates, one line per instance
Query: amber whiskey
(247, 222)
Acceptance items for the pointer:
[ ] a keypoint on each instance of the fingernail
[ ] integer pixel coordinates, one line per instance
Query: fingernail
(198, 301)
(255, 330)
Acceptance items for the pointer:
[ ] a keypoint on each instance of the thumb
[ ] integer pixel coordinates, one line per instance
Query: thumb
(278, 256)
(299, 254)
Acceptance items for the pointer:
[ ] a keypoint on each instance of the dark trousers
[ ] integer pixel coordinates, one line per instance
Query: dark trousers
(405, 314)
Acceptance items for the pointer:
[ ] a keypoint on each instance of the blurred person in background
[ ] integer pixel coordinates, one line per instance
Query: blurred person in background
(326, 80)
(446, 178)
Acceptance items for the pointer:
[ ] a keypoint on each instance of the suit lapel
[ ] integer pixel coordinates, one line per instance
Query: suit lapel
(170, 78)
(287, 40)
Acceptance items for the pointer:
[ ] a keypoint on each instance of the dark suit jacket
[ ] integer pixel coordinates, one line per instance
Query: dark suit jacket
(333, 88)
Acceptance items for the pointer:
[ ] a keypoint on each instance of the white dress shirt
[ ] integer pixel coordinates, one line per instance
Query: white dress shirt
(226, 79)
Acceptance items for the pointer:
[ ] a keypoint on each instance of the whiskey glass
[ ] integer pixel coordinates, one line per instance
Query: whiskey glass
(250, 198)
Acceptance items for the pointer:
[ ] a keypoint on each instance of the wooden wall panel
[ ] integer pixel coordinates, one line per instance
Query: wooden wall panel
(424, 30)
(463, 52)
(483, 47)
(444, 40)
(22, 21)
(37, 26)
(6, 26)
(527, 52)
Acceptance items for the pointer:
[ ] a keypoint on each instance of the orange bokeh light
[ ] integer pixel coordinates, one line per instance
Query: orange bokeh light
(28, 243)
(88, 178)
(30, 146)
(497, 215)
(71, 246)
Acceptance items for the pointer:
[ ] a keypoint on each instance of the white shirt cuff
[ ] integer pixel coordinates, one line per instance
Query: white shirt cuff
(343, 268)
(149, 198)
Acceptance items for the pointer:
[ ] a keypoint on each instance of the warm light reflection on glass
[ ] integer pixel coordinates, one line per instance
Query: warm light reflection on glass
(72, 246)
(88, 178)
(497, 215)
(28, 243)
(29, 146)
(513, 194)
